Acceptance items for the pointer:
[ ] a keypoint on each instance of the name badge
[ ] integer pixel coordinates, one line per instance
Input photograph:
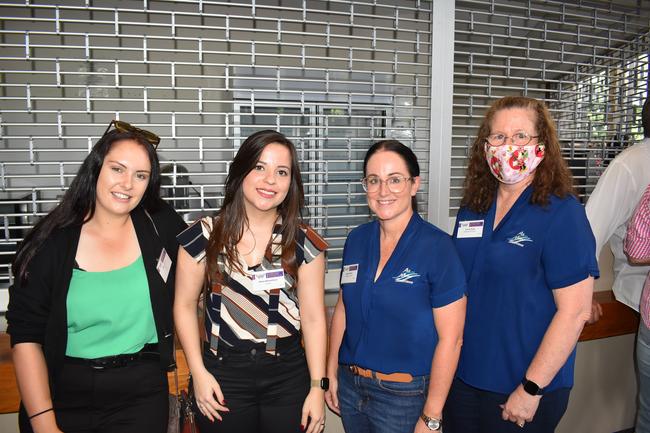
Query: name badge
(163, 265)
(267, 280)
(349, 274)
(470, 229)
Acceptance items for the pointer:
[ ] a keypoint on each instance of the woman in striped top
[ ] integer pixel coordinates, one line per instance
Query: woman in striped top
(265, 278)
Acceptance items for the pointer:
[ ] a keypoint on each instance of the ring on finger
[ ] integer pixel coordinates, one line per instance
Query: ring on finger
(521, 424)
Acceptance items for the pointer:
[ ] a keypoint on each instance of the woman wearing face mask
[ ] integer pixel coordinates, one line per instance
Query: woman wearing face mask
(398, 324)
(90, 313)
(529, 256)
(265, 273)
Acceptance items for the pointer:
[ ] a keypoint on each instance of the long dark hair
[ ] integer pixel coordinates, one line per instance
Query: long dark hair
(552, 176)
(231, 220)
(78, 203)
(404, 152)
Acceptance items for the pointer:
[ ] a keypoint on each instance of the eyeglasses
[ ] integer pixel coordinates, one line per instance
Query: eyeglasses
(518, 139)
(395, 184)
(121, 126)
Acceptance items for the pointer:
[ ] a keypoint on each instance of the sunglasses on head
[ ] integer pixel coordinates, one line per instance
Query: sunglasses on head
(121, 126)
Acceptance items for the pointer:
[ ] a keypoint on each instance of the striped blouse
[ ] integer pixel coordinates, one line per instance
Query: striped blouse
(637, 246)
(238, 316)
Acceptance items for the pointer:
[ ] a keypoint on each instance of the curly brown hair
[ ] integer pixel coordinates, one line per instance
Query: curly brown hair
(552, 176)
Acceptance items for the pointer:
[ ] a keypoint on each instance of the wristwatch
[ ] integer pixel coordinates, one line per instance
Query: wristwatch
(433, 424)
(531, 387)
(323, 383)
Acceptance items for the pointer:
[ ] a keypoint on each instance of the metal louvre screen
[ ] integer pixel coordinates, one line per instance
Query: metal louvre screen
(587, 60)
(334, 76)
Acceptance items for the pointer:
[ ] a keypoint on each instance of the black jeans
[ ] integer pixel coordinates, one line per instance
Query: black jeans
(264, 393)
(128, 399)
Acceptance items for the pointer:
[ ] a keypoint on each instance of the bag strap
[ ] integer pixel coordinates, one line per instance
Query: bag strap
(178, 392)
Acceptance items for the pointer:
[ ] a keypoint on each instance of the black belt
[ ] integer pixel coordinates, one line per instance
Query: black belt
(148, 352)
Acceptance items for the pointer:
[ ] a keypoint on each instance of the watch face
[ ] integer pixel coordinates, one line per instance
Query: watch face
(325, 383)
(531, 388)
(433, 424)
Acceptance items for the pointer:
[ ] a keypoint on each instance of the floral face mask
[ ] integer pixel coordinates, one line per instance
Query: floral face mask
(512, 164)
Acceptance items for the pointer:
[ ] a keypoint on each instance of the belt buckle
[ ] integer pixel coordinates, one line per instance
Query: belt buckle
(353, 369)
(98, 364)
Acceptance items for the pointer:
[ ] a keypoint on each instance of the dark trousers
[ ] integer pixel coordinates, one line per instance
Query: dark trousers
(472, 410)
(264, 393)
(128, 399)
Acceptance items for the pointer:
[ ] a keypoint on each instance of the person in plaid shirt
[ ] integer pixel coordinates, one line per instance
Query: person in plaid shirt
(637, 249)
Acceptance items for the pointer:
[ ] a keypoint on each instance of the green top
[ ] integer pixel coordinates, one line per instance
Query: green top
(109, 313)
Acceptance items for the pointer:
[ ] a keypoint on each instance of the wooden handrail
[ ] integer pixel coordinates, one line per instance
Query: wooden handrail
(617, 319)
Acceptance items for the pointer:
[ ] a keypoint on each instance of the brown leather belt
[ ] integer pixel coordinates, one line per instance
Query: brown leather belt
(393, 377)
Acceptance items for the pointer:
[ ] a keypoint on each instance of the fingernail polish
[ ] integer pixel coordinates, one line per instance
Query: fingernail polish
(223, 401)
(302, 427)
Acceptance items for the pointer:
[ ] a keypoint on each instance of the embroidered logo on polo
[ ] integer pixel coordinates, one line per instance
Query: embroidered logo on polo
(406, 276)
(519, 239)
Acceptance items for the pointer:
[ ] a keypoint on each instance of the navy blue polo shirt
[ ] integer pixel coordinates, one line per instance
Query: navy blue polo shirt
(389, 323)
(512, 272)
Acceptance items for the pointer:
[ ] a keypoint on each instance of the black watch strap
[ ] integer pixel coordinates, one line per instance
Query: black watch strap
(531, 387)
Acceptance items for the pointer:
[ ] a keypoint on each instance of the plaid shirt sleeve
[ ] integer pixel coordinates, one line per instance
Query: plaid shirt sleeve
(637, 239)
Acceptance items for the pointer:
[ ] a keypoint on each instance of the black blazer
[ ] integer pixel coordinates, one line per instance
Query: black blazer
(37, 309)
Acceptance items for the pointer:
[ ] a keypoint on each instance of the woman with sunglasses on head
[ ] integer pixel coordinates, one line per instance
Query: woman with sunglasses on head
(398, 323)
(265, 277)
(529, 255)
(90, 312)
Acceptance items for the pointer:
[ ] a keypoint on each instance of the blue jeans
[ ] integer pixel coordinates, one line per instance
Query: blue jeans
(643, 364)
(375, 406)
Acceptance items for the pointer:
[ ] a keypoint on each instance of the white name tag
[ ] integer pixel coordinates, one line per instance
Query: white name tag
(267, 280)
(163, 265)
(470, 229)
(349, 274)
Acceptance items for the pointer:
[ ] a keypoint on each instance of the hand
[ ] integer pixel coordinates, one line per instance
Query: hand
(331, 395)
(313, 411)
(596, 312)
(206, 388)
(520, 407)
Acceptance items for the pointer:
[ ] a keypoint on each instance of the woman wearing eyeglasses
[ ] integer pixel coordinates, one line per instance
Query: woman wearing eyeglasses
(529, 256)
(265, 274)
(90, 313)
(397, 327)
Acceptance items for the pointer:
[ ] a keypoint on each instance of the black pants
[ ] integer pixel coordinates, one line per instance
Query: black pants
(264, 393)
(129, 399)
(472, 410)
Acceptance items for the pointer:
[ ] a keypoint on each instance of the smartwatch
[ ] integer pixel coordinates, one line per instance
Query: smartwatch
(531, 387)
(323, 383)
